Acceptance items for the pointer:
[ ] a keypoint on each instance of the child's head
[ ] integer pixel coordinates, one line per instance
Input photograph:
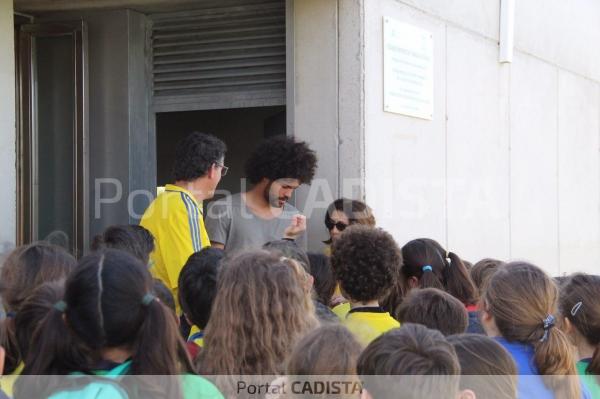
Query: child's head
(33, 311)
(329, 350)
(487, 369)
(482, 271)
(428, 265)
(263, 310)
(520, 304)
(26, 268)
(198, 285)
(365, 262)
(108, 304)
(134, 239)
(412, 350)
(324, 284)
(434, 309)
(579, 305)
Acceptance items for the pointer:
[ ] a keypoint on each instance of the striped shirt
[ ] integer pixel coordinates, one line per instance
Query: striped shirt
(175, 220)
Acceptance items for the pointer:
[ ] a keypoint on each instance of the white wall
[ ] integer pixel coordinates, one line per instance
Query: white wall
(7, 127)
(509, 167)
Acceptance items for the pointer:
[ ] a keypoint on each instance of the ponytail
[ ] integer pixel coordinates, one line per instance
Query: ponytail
(555, 360)
(458, 280)
(426, 260)
(167, 357)
(521, 298)
(429, 279)
(54, 350)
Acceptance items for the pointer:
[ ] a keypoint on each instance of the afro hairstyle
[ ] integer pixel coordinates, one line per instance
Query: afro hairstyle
(281, 157)
(366, 262)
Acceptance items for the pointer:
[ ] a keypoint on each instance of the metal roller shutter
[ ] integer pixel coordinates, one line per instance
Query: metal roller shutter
(226, 55)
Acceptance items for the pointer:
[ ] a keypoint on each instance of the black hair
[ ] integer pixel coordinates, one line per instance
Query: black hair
(108, 304)
(322, 272)
(195, 154)
(131, 238)
(289, 249)
(198, 285)
(447, 271)
(281, 157)
(366, 262)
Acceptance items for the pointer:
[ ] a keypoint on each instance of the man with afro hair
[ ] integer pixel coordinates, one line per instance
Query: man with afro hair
(366, 262)
(276, 168)
(174, 218)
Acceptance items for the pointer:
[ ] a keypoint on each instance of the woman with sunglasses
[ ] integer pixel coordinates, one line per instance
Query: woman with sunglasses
(344, 212)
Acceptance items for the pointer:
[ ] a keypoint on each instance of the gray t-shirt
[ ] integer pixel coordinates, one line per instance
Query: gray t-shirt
(230, 222)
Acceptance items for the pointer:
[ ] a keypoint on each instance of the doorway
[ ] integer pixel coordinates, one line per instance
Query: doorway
(240, 128)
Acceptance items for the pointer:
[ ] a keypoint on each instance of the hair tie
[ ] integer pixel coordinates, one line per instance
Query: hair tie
(427, 268)
(147, 299)
(576, 308)
(11, 315)
(61, 306)
(549, 322)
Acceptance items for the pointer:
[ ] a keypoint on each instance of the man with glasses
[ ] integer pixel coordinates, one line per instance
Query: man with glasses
(175, 217)
(262, 214)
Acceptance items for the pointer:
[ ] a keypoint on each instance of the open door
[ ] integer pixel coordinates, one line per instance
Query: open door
(52, 156)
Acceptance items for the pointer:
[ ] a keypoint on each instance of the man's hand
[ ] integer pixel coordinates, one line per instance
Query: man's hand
(296, 227)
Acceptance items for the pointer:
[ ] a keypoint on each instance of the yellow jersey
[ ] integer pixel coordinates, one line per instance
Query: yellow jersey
(369, 323)
(175, 220)
(342, 310)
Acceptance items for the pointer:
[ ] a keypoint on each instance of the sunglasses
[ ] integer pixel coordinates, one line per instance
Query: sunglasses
(339, 225)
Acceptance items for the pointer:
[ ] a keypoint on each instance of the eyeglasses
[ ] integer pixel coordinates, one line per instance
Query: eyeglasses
(224, 168)
(339, 225)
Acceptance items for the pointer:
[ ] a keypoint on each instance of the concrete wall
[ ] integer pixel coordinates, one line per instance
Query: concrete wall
(509, 166)
(7, 127)
(328, 99)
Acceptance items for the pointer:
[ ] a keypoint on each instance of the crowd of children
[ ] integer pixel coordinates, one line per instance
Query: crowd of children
(501, 330)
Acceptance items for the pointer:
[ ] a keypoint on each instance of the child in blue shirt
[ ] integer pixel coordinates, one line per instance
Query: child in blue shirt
(518, 308)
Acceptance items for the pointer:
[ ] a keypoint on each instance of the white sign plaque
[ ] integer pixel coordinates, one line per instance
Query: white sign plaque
(407, 69)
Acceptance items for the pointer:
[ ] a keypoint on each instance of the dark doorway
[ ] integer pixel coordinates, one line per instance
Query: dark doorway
(241, 129)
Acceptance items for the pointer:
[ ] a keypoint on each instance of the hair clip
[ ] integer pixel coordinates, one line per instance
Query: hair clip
(549, 322)
(576, 308)
(61, 306)
(147, 299)
(427, 268)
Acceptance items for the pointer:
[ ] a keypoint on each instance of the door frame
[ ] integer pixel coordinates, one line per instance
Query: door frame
(27, 211)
